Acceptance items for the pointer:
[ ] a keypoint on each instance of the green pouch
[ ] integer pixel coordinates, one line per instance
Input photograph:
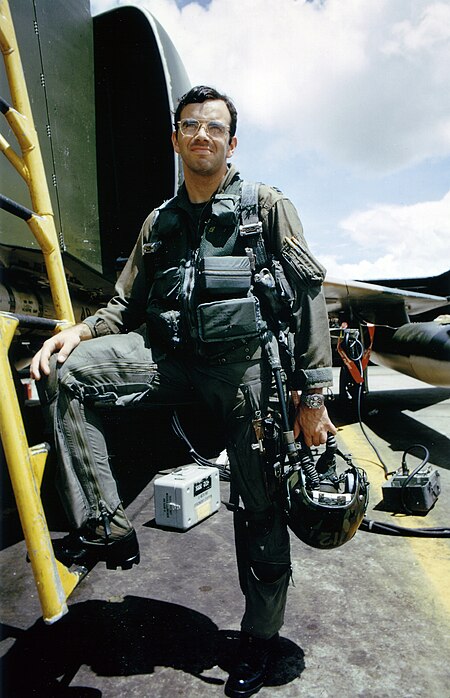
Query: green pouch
(306, 270)
(229, 319)
(224, 275)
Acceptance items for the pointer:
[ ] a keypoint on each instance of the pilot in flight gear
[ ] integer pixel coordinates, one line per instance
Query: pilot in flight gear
(158, 341)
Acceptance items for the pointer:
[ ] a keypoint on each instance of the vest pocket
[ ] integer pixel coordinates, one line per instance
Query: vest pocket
(222, 276)
(228, 319)
(307, 271)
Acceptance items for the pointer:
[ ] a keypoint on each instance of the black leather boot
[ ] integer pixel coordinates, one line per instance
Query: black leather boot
(84, 549)
(248, 675)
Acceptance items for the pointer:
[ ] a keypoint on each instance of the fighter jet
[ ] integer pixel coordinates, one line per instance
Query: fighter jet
(394, 324)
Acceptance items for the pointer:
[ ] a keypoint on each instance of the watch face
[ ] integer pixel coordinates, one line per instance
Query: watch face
(314, 401)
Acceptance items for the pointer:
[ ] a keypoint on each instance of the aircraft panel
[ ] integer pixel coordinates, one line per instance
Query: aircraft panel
(67, 53)
(14, 231)
(342, 294)
(56, 47)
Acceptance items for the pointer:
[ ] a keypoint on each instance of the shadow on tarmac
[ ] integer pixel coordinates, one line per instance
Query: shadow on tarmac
(383, 412)
(126, 636)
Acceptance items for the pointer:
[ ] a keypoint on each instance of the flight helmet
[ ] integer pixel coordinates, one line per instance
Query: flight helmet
(328, 514)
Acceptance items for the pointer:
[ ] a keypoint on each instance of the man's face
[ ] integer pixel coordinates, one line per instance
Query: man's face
(202, 154)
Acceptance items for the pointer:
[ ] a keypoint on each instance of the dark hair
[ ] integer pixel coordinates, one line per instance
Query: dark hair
(200, 94)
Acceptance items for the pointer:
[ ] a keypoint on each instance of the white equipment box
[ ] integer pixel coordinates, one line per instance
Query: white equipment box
(187, 496)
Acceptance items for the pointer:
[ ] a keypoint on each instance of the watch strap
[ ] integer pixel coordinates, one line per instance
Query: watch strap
(312, 400)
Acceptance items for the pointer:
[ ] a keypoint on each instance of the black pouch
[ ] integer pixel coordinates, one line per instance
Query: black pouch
(221, 276)
(275, 299)
(220, 321)
(306, 270)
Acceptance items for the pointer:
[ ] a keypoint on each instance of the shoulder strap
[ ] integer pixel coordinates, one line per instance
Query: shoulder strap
(251, 226)
(250, 223)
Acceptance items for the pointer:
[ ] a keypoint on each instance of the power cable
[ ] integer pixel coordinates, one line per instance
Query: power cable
(377, 526)
(224, 472)
(350, 345)
(393, 530)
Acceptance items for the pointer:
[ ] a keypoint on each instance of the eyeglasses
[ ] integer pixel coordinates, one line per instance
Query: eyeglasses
(190, 128)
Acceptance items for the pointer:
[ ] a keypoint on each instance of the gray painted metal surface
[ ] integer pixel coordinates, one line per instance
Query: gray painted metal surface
(102, 92)
(56, 48)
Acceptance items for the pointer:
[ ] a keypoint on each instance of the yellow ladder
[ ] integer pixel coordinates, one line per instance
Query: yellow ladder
(26, 464)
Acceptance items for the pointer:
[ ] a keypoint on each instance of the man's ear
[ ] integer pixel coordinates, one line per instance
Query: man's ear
(175, 142)
(232, 147)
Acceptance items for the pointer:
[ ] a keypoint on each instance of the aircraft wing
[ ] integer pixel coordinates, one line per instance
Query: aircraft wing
(374, 302)
(417, 349)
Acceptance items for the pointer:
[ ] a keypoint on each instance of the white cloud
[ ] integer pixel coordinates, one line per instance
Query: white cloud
(396, 241)
(365, 83)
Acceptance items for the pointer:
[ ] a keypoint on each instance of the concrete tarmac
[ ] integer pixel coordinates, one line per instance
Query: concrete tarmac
(368, 620)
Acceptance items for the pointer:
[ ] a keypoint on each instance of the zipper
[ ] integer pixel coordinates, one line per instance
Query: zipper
(91, 482)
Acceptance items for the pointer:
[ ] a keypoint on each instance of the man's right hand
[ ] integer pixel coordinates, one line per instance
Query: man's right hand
(62, 343)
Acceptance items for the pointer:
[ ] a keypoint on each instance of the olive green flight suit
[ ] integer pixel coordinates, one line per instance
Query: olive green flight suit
(126, 366)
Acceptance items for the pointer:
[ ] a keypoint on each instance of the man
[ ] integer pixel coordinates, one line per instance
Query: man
(167, 286)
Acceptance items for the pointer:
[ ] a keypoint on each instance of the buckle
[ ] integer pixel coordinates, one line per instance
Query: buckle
(250, 229)
(151, 247)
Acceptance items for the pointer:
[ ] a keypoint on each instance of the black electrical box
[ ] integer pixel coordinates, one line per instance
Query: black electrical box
(416, 496)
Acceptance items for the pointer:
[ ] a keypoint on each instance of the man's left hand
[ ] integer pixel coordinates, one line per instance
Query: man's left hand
(314, 424)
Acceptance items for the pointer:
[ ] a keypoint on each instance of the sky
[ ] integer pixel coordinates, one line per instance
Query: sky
(344, 105)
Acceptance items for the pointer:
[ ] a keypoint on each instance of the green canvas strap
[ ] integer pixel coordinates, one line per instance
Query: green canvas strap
(251, 226)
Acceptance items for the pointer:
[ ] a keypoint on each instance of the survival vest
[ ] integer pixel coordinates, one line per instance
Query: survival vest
(226, 291)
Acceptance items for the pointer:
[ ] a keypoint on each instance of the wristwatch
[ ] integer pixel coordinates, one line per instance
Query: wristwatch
(313, 400)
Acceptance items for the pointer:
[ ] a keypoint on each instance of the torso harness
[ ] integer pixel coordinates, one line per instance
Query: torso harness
(227, 291)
